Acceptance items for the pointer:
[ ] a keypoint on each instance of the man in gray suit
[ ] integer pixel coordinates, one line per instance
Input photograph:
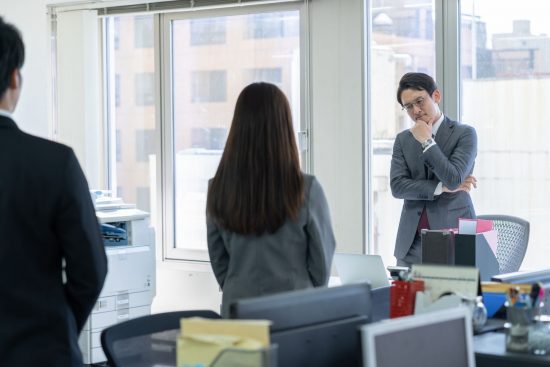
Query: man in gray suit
(431, 167)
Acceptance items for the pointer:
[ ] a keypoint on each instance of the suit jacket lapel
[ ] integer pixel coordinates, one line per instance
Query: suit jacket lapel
(444, 132)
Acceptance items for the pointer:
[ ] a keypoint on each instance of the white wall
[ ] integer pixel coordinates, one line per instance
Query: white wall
(336, 80)
(33, 113)
(337, 113)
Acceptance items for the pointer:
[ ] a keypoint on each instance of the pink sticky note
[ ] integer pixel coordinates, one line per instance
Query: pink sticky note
(484, 225)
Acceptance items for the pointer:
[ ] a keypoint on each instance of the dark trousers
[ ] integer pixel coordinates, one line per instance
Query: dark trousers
(414, 256)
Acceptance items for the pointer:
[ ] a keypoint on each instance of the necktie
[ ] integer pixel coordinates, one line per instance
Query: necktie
(423, 222)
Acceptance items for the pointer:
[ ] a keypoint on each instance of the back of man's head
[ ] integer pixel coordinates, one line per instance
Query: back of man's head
(12, 54)
(417, 81)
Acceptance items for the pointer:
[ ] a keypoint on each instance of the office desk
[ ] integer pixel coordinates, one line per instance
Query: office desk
(153, 350)
(159, 350)
(491, 351)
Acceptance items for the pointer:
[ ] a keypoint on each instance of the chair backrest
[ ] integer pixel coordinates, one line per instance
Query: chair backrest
(513, 237)
(113, 338)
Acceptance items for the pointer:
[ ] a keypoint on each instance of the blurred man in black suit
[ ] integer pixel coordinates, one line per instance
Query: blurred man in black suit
(46, 215)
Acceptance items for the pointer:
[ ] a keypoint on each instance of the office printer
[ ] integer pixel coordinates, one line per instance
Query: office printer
(130, 284)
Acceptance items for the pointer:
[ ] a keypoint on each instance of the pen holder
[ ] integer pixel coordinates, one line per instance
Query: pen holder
(517, 327)
(539, 336)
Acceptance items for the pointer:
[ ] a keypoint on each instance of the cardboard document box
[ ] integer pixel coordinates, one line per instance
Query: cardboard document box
(438, 247)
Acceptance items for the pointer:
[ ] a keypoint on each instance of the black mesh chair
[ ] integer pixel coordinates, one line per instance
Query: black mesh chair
(513, 237)
(147, 340)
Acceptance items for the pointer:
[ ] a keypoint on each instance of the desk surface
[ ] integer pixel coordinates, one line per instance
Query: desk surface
(491, 351)
(159, 350)
(153, 350)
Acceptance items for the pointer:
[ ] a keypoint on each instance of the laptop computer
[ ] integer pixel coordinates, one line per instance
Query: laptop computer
(354, 268)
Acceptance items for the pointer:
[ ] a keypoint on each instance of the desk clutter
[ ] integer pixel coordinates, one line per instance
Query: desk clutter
(429, 288)
(474, 244)
(224, 343)
(433, 287)
(336, 326)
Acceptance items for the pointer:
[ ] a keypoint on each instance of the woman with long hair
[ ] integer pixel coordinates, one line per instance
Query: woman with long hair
(268, 224)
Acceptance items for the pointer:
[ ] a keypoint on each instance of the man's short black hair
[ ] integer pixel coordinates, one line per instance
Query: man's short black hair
(12, 53)
(417, 81)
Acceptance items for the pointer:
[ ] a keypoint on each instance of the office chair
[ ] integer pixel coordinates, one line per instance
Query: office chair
(131, 343)
(513, 237)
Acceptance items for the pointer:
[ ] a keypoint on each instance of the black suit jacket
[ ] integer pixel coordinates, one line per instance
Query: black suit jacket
(46, 215)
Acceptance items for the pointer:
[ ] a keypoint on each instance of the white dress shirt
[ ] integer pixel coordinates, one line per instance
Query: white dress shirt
(435, 127)
(5, 113)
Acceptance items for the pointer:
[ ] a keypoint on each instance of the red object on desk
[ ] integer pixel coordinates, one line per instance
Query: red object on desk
(402, 297)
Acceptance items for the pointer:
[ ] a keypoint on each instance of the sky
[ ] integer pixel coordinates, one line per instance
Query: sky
(499, 14)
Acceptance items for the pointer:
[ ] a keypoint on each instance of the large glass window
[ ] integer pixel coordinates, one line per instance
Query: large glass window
(131, 104)
(204, 84)
(143, 31)
(402, 41)
(505, 86)
(208, 86)
(209, 31)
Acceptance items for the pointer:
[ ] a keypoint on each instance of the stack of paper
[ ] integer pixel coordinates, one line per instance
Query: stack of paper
(202, 340)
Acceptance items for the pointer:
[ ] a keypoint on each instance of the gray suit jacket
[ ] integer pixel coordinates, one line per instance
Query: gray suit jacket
(415, 175)
(298, 255)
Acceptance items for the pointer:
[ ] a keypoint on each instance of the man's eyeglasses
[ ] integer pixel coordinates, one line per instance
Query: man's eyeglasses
(419, 102)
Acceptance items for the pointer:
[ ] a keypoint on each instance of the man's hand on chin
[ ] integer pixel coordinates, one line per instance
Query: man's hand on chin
(421, 130)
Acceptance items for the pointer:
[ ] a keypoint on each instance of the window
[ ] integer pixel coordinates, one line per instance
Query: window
(202, 104)
(505, 97)
(143, 201)
(143, 31)
(402, 41)
(272, 25)
(117, 90)
(116, 22)
(270, 75)
(145, 144)
(145, 89)
(118, 146)
(212, 138)
(209, 86)
(209, 31)
(132, 123)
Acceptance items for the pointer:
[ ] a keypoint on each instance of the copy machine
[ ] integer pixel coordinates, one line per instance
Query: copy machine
(130, 284)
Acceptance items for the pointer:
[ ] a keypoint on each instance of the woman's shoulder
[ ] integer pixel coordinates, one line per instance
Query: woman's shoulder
(309, 181)
(311, 184)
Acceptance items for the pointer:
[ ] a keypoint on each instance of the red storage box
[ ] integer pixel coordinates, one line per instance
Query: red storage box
(402, 297)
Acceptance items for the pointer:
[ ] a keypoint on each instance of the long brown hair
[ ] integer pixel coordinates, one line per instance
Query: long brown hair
(258, 184)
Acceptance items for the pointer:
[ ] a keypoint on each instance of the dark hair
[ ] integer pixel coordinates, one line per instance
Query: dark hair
(417, 81)
(258, 184)
(12, 53)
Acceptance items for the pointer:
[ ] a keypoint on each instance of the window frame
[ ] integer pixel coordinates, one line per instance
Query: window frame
(447, 65)
(167, 192)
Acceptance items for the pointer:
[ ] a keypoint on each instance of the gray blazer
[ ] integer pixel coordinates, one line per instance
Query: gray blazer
(298, 255)
(450, 161)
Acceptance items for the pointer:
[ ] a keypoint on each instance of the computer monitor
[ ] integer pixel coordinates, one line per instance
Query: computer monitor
(313, 327)
(439, 338)
(355, 268)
